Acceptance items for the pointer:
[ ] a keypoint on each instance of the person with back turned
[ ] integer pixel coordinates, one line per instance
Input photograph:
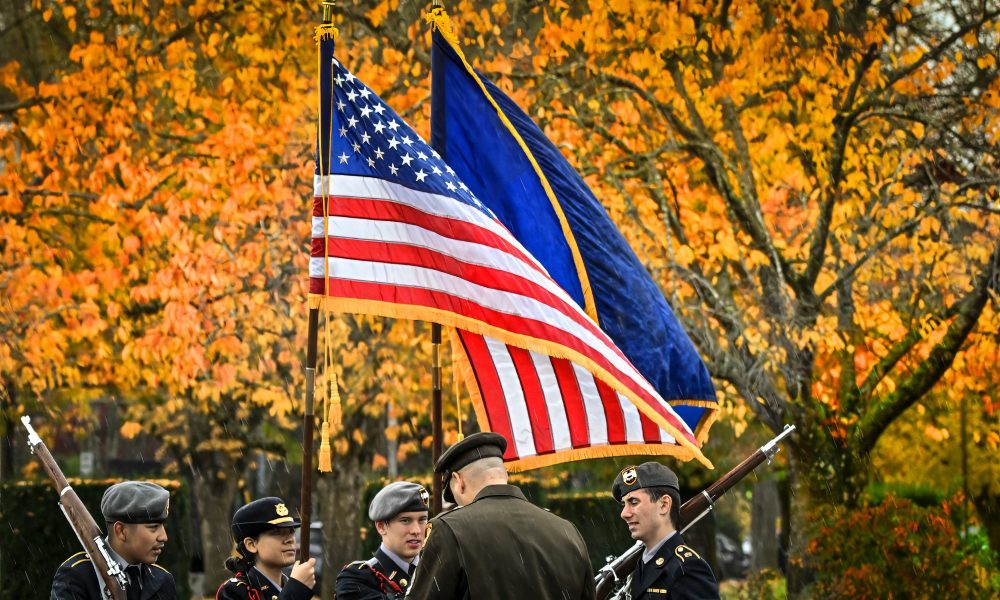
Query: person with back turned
(497, 545)
(134, 512)
(651, 501)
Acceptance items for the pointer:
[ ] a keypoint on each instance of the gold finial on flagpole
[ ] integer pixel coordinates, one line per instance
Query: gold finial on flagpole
(328, 10)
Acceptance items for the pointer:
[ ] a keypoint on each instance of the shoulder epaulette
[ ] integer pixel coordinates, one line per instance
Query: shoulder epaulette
(77, 558)
(684, 552)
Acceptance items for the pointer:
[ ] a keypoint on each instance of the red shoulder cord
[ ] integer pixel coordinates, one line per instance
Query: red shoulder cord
(382, 579)
(252, 592)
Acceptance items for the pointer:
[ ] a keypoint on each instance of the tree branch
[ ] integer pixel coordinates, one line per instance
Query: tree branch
(967, 310)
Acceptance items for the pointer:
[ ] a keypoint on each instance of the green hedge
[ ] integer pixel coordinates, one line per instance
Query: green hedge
(37, 538)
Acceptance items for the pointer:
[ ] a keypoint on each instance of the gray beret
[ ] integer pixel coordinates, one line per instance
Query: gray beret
(646, 475)
(135, 502)
(396, 498)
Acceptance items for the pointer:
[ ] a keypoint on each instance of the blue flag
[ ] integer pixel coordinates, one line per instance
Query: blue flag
(512, 168)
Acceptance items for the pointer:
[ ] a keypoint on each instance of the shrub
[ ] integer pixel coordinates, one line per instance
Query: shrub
(895, 550)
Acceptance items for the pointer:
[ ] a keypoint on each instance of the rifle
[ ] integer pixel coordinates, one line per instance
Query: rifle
(691, 512)
(109, 572)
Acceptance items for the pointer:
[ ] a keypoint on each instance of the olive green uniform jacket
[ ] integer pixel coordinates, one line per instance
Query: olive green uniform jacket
(502, 547)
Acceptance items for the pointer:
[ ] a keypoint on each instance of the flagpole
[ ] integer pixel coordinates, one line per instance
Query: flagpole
(436, 444)
(308, 416)
(437, 485)
(308, 419)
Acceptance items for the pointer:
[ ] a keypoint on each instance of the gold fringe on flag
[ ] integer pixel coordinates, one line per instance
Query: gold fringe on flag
(454, 379)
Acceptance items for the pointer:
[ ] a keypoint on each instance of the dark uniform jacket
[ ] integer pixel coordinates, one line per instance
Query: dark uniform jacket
(76, 579)
(378, 578)
(253, 585)
(502, 547)
(675, 571)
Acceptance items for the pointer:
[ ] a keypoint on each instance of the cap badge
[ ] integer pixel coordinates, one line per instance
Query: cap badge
(281, 510)
(166, 509)
(424, 496)
(629, 476)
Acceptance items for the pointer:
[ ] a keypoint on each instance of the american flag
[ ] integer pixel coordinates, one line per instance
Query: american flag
(396, 233)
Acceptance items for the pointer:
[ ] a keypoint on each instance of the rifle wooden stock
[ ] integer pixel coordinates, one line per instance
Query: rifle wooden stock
(80, 519)
(690, 512)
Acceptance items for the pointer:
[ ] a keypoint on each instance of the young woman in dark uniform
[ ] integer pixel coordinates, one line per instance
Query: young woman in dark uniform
(264, 533)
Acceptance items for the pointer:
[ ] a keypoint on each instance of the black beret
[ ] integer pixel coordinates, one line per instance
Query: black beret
(646, 475)
(261, 515)
(480, 445)
(396, 498)
(135, 502)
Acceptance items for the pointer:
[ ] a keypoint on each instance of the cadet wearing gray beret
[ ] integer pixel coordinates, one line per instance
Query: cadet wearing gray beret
(135, 512)
(135, 502)
(398, 497)
(399, 512)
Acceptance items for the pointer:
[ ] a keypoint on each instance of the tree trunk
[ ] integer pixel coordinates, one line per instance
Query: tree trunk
(338, 496)
(802, 500)
(988, 510)
(9, 427)
(701, 537)
(764, 512)
(214, 496)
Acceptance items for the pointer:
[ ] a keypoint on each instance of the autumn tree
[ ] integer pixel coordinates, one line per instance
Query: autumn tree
(815, 186)
(155, 192)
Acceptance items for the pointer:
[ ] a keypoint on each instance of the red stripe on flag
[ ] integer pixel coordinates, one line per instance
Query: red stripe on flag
(490, 390)
(612, 413)
(390, 210)
(534, 398)
(576, 412)
(650, 431)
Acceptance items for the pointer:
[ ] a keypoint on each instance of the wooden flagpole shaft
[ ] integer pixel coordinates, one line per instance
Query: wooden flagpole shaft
(308, 423)
(436, 444)
(437, 485)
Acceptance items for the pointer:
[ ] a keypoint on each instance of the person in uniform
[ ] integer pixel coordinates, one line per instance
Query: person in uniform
(496, 545)
(399, 512)
(134, 512)
(264, 533)
(651, 501)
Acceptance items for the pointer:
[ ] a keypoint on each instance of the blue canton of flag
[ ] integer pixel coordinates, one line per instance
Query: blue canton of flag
(371, 140)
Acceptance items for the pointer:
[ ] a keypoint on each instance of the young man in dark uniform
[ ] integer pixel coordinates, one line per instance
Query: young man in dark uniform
(135, 512)
(497, 545)
(651, 500)
(399, 512)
